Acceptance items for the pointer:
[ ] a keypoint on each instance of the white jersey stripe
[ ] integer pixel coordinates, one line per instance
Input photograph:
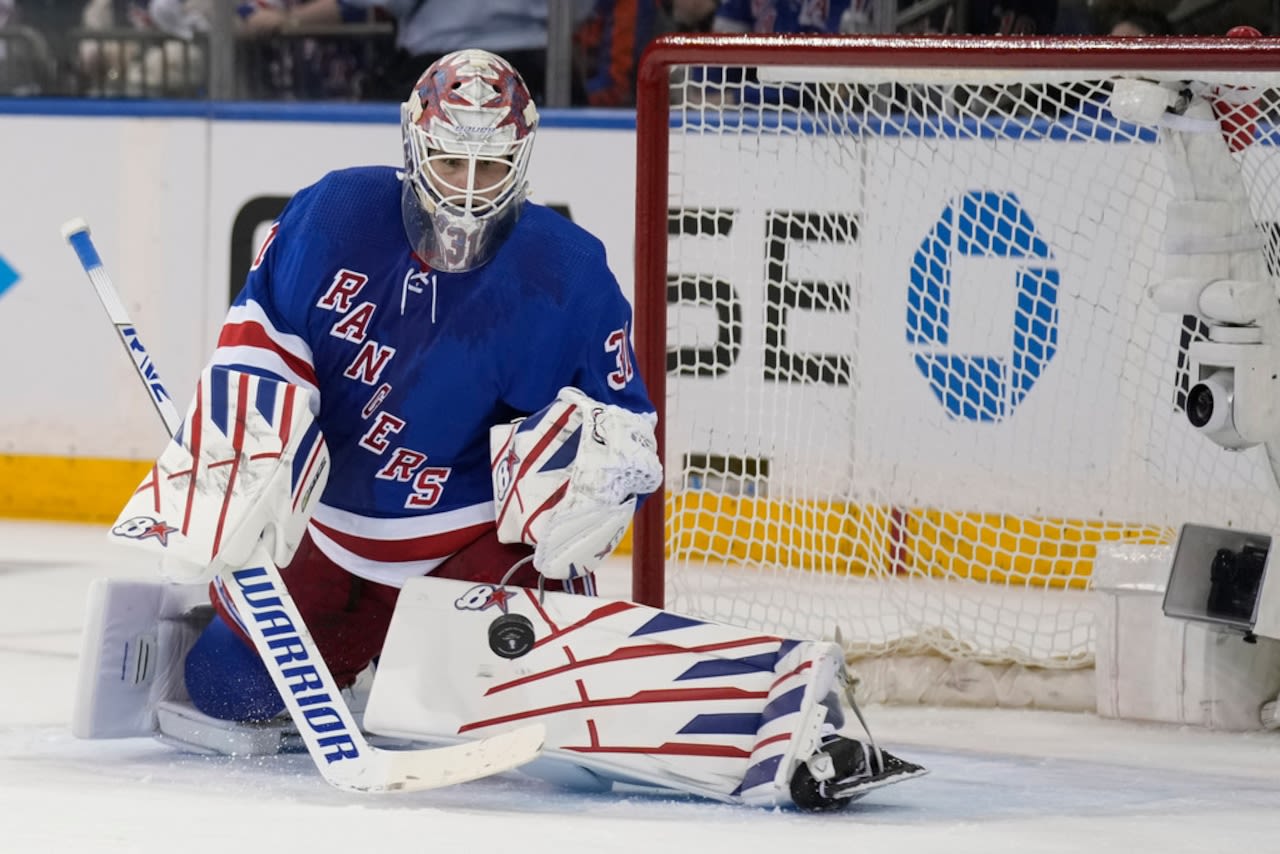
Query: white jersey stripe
(391, 574)
(251, 312)
(414, 534)
(404, 528)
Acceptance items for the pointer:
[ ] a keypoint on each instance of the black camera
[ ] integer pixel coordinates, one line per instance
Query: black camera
(1220, 576)
(1234, 579)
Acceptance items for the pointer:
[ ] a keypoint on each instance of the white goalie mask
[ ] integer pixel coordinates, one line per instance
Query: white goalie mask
(468, 127)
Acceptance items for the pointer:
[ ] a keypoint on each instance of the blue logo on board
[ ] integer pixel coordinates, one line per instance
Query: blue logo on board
(8, 276)
(983, 386)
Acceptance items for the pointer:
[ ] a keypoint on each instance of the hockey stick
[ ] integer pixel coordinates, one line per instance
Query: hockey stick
(76, 232)
(340, 751)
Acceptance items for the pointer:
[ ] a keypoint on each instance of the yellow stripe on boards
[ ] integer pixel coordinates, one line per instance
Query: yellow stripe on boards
(71, 489)
(823, 536)
(842, 538)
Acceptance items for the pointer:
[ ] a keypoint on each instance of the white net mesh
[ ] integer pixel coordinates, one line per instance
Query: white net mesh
(913, 379)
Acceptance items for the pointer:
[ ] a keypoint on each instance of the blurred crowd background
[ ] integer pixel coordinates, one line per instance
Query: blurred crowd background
(571, 52)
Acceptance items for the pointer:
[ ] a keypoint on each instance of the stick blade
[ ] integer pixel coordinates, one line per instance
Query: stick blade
(417, 770)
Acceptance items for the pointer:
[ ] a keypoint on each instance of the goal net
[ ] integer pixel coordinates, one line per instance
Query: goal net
(892, 304)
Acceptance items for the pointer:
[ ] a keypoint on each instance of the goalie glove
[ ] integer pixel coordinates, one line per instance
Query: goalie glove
(248, 464)
(566, 480)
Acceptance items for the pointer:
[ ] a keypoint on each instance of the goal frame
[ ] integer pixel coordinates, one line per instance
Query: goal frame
(653, 116)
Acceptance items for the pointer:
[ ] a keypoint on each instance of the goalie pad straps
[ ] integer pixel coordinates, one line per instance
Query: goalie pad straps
(248, 463)
(793, 722)
(566, 480)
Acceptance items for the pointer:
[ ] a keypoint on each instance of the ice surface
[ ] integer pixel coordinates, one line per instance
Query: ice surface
(1015, 781)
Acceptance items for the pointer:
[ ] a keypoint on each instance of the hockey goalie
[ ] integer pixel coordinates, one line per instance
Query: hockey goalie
(422, 415)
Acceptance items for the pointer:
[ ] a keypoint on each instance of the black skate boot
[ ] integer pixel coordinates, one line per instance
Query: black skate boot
(842, 770)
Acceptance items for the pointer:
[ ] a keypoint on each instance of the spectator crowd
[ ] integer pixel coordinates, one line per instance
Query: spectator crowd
(373, 50)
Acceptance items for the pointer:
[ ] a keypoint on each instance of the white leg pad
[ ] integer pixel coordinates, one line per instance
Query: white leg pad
(136, 636)
(626, 693)
(792, 723)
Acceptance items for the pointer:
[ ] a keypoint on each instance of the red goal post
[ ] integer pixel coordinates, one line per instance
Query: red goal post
(783, 282)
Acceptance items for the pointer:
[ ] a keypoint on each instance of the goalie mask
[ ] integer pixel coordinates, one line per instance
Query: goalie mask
(468, 126)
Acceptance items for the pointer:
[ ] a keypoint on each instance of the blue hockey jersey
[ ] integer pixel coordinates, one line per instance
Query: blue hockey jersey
(413, 366)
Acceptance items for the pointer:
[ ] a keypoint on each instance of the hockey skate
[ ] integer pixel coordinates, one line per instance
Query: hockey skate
(844, 769)
(809, 751)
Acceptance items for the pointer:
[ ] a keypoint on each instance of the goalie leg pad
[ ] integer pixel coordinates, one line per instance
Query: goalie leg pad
(135, 638)
(629, 693)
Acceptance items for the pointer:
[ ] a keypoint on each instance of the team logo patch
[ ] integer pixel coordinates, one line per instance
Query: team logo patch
(505, 474)
(141, 527)
(483, 597)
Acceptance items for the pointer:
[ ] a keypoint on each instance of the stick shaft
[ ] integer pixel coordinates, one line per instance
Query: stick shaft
(77, 234)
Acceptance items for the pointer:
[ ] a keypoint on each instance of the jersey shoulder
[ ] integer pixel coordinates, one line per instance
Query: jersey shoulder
(547, 240)
(347, 219)
(346, 206)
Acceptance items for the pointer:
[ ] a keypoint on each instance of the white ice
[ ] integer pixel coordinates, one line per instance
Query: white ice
(1015, 781)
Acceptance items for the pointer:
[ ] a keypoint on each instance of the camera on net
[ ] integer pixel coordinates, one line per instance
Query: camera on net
(1222, 576)
(1235, 577)
(1234, 399)
(1210, 408)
